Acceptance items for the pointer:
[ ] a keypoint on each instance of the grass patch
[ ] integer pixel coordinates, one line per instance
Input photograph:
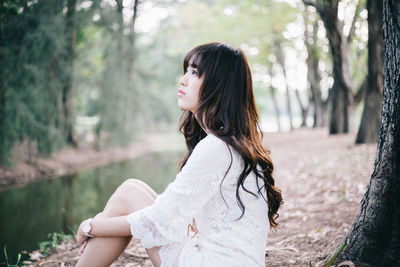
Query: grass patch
(54, 239)
(8, 261)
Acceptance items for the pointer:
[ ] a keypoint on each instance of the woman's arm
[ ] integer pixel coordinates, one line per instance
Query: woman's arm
(104, 227)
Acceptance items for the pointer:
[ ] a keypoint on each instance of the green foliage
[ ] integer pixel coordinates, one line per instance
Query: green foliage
(31, 82)
(8, 261)
(54, 239)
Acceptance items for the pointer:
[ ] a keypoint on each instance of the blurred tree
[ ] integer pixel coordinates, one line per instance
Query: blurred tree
(341, 95)
(375, 234)
(32, 45)
(281, 62)
(304, 108)
(313, 73)
(68, 92)
(274, 100)
(369, 127)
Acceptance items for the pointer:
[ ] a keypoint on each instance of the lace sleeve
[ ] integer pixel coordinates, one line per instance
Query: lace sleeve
(167, 219)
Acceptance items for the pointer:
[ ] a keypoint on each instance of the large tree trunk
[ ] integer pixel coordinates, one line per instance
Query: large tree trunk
(375, 234)
(68, 89)
(368, 131)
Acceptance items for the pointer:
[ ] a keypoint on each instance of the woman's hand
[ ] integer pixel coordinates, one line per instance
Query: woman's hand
(80, 236)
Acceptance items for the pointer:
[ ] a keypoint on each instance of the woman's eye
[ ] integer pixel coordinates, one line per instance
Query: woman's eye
(194, 72)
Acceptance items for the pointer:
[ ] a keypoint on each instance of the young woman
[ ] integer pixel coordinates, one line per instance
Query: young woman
(218, 209)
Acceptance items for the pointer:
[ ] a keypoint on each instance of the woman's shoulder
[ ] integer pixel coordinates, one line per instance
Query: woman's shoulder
(210, 151)
(212, 143)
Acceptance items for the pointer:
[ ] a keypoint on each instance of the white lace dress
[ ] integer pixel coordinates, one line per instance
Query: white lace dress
(194, 199)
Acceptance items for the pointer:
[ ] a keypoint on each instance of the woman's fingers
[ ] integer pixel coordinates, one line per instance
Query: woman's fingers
(83, 246)
(80, 237)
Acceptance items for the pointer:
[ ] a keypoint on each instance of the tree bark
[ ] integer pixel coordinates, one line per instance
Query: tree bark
(369, 127)
(375, 234)
(68, 89)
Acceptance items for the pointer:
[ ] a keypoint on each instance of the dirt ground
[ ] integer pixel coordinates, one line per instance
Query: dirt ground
(323, 179)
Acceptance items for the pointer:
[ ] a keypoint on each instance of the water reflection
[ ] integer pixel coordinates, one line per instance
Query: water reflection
(28, 214)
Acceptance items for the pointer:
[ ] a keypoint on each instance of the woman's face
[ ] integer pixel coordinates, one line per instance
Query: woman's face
(189, 87)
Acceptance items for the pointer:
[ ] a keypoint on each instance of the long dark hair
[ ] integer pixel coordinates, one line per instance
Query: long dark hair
(226, 99)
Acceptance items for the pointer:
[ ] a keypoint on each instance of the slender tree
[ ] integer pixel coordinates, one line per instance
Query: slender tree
(375, 234)
(313, 73)
(281, 61)
(304, 108)
(68, 88)
(3, 139)
(276, 106)
(369, 127)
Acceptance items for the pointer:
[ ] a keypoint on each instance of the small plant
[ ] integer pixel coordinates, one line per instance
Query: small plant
(335, 254)
(54, 240)
(9, 264)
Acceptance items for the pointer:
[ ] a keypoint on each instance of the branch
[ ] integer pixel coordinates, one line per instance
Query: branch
(319, 7)
(313, 4)
(302, 106)
(361, 91)
(353, 23)
(310, 3)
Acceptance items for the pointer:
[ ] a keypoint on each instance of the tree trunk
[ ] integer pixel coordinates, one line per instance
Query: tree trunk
(313, 73)
(120, 36)
(304, 109)
(68, 89)
(3, 139)
(339, 119)
(341, 90)
(375, 235)
(132, 40)
(276, 107)
(281, 61)
(368, 131)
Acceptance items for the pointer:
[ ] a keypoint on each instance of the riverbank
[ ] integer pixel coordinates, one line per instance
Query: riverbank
(71, 160)
(323, 179)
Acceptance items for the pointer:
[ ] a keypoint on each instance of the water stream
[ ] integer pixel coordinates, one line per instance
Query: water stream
(28, 214)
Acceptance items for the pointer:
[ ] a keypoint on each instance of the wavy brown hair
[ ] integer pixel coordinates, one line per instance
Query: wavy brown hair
(226, 99)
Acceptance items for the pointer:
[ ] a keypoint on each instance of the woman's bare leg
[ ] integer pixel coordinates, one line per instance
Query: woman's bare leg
(129, 197)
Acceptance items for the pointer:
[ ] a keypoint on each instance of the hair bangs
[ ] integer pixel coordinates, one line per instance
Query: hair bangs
(194, 60)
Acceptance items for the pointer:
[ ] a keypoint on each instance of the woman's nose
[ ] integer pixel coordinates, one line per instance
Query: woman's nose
(183, 80)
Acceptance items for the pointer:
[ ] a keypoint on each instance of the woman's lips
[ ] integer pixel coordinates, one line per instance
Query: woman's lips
(180, 92)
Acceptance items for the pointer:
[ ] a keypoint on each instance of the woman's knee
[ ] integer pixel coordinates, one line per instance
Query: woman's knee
(128, 198)
(143, 185)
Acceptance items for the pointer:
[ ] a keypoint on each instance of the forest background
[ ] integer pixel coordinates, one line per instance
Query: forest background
(106, 72)
(103, 74)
